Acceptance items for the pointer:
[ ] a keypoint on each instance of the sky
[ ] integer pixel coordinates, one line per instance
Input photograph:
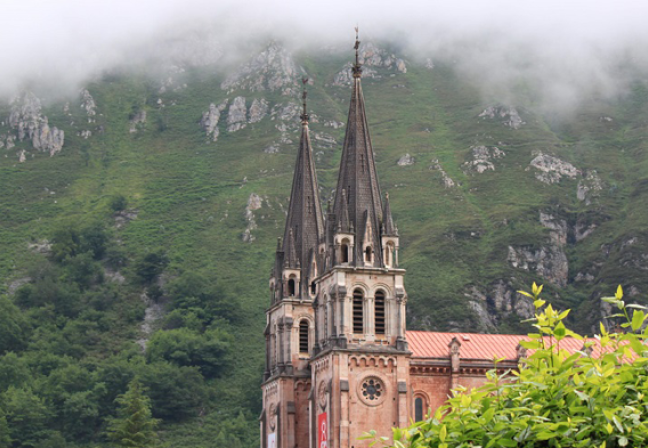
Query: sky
(567, 48)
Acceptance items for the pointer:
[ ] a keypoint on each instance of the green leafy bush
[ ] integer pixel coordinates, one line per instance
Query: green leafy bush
(557, 399)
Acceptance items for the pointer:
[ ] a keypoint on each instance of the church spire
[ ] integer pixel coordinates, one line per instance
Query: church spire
(304, 223)
(389, 228)
(357, 178)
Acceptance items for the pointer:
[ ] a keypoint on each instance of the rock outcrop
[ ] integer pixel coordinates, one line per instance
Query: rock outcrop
(237, 115)
(28, 122)
(406, 160)
(447, 181)
(88, 104)
(210, 119)
(508, 115)
(371, 57)
(137, 121)
(258, 110)
(550, 260)
(496, 301)
(482, 158)
(589, 187)
(254, 203)
(273, 70)
(551, 169)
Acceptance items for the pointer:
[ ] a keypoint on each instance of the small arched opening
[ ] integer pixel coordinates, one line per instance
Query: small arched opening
(368, 253)
(379, 304)
(344, 251)
(358, 311)
(303, 337)
(292, 287)
(418, 409)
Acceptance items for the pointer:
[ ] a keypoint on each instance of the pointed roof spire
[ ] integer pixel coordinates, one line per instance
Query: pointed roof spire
(291, 260)
(357, 176)
(304, 116)
(357, 69)
(304, 221)
(389, 228)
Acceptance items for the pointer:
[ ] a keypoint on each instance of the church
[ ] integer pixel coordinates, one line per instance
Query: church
(339, 359)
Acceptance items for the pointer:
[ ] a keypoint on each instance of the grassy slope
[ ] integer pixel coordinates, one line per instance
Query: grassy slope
(191, 195)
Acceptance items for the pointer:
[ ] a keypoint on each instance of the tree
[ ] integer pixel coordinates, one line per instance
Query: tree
(134, 427)
(557, 399)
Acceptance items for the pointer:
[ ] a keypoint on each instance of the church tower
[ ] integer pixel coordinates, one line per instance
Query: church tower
(337, 360)
(290, 325)
(359, 365)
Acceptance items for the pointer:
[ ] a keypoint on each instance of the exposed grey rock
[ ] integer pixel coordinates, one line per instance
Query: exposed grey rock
(173, 79)
(370, 55)
(498, 300)
(551, 169)
(405, 160)
(485, 320)
(271, 149)
(582, 231)
(209, 120)
(41, 247)
(509, 115)
(589, 187)
(85, 134)
(287, 112)
(254, 203)
(550, 262)
(28, 122)
(21, 156)
(273, 69)
(137, 121)
(258, 110)
(123, 217)
(584, 277)
(237, 115)
(606, 119)
(558, 227)
(345, 76)
(429, 64)
(323, 140)
(447, 181)
(88, 104)
(10, 141)
(333, 124)
(482, 157)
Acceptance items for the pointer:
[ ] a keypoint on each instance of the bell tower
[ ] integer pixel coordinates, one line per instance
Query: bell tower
(359, 367)
(290, 328)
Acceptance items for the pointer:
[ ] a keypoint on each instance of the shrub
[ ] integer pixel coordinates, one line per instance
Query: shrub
(557, 399)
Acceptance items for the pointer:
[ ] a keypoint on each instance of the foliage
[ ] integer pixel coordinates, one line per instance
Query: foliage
(118, 203)
(557, 399)
(134, 427)
(150, 265)
(14, 328)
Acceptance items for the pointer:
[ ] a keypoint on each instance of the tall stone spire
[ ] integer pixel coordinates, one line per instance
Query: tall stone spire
(357, 178)
(304, 220)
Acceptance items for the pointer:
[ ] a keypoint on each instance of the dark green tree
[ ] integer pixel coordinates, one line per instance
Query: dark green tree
(134, 427)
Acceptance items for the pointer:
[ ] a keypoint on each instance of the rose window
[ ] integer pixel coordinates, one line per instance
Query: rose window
(372, 389)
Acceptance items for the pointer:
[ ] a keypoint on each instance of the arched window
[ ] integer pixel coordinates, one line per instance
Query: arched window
(380, 312)
(418, 409)
(291, 286)
(313, 288)
(344, 251)
(368, 253)
(303, 337)
(358, 311)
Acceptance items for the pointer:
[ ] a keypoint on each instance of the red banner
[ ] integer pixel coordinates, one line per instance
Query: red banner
(322, 431)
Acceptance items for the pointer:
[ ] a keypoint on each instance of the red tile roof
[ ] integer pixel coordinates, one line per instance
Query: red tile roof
(427, 344)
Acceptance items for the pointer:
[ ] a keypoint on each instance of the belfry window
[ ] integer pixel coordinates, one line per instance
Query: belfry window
(292, 287)
(418, 409)
(368, 253)
(344, 251)
(303, 337)
(380, 312)
(358, 312)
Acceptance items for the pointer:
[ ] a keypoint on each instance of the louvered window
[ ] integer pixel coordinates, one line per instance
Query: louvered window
(380, 312)
(358, 311)
(303, 337)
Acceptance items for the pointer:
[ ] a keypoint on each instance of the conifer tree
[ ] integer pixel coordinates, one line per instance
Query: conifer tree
(134, 427)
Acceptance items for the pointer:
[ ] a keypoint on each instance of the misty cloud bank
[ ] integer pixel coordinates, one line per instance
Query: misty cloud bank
(560, 51)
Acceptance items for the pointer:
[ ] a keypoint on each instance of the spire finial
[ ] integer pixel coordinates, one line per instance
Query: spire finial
(357, 71)
(304, 116)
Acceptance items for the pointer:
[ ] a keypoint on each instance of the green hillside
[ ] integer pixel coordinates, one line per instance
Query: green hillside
(145, 222)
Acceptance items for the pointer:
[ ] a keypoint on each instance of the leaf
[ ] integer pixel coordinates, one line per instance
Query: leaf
(560, 331)
(443, 433)
(539, 303)
(619, 293)
(623, 441)
(638, 318)
(524, 293)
